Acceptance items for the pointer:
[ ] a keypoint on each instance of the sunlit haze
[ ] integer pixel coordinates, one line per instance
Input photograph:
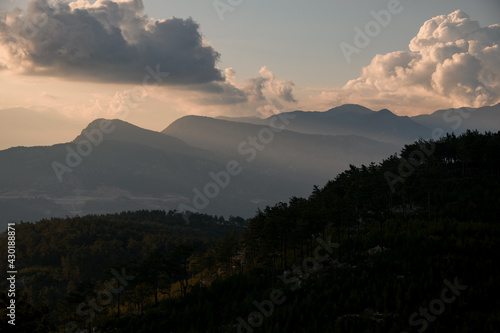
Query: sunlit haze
(412, 57)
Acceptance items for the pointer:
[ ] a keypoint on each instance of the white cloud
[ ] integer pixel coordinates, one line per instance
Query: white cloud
(452, 62)
(281, 88)
(254, 96)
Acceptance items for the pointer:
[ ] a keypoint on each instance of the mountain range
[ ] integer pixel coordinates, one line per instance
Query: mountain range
(226, 166)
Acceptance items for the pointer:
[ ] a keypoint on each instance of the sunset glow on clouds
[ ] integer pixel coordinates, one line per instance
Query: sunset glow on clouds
(115, 43)
(110, 59)
(104, 42)
(452, 62)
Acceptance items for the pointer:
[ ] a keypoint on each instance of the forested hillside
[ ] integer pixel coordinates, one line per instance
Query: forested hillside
(406, 245)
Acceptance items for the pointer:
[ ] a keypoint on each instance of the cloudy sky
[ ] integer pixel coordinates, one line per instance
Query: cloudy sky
(150, 62)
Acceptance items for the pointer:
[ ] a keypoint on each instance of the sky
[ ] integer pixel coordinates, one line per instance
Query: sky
(151, 62)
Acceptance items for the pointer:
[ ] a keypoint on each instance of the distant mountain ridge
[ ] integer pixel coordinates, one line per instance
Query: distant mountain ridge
(458, 120)
(280, 157)
(126, 132)
(282, 148)
(384, 125)
(353, 119)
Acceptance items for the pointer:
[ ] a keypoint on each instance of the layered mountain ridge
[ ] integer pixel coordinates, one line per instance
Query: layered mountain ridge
(124, 167)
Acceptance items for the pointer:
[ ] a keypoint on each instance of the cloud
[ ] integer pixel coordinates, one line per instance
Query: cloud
(282, 89)
(251, 93)
(139, 103)
(254, 96)
(108, 41)
(47, 96)
(254, 87)
(113, 41)
(452, 62)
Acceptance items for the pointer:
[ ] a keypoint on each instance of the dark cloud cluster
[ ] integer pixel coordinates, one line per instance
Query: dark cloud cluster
(108, 41)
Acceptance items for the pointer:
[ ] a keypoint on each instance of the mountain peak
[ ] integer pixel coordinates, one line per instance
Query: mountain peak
(119, 130)
(354, 108)
(106, 126)
(386, 112)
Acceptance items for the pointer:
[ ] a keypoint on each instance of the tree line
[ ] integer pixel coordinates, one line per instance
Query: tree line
(404, 225)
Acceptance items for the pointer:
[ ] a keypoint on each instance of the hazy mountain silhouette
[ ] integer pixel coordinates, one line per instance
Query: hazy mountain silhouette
(131, 168)
(250, 120)
(352, 119)
(310, 158)
(486, 118)
(134, 168)
(281, 156)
